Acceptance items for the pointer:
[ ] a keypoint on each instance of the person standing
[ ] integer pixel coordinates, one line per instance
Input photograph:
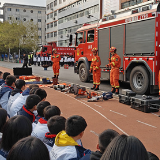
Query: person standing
(115, 63)
(29, 59)
(25, 61)
(95, 68)
(55, 59)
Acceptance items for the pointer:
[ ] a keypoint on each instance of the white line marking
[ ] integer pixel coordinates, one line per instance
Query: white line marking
(146, 124)
(118, 113)
(98, 113)
(94, 132)
(155, 114)
(98, 105)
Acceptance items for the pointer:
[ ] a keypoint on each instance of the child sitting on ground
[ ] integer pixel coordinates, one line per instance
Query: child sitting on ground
(20, 86)
(40, 107)
(55, 125)
(3, 80)
(29, 107)
(41, 93)
(41, 128)
(21, 100)
(104, 139)
(5, 91)
(66, 146)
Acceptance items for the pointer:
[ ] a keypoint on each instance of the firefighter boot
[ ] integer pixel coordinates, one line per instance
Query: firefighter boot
(97, 88)
(113, 90)
(94, 86)
(117, 91)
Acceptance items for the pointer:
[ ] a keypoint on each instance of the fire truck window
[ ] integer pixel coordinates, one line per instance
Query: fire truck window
(44, 49)
(85, 37)
(79, 38)
(90, 36)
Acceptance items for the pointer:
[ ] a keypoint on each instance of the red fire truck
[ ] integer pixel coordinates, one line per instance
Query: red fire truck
(47, 50)
(135, 32)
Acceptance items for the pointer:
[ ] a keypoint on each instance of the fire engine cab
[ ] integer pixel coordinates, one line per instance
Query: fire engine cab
(135, 32)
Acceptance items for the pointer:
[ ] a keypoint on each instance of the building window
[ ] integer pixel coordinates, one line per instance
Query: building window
(24, 19)
(47, 35)
(39, 20)
(51, 34)
(9, 18)
(51, 25)
(55, 34)
(55, 24)
(17, 10)
(48, 16)
(51, 15)
(51, 5)
(24, 10)
(60, 1)
(39, 12)
(55, 2)
(39, 37)
(48, 7)
(130, 3)
(55, 13)
(17, 18)
(47, 26)
(31, 11)
(9, 9)
(31, 20)
(39, 29)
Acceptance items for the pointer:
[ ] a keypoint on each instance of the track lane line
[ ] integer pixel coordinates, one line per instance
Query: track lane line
(118, 113)
(146, 124)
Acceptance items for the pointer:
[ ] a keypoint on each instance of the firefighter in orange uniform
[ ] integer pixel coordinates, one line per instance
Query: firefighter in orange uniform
(55, 59)
(115, 63)
(95, 67)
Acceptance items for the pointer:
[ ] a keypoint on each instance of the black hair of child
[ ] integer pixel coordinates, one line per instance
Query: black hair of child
(41, 106)
(15, 129)
(56, 124)
(32, 100)
(50, 111)
(33, 86)
(126, 148)
(105, 138)
(1, 72)
(20, 83)
(29, 148)
(41, 93)
(3, 118)
(75, 125)
(152, 156)
(10, 80)
(33, 90)
(5, 74)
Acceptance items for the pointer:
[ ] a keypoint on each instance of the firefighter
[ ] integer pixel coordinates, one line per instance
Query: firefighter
(115, 63)
(55, 59)
(95, 67)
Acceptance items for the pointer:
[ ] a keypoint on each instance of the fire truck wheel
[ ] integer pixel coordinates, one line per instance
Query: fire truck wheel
(139, 80)
(83, 74)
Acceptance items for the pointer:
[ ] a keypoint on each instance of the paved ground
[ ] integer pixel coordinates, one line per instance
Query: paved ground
(108, 114)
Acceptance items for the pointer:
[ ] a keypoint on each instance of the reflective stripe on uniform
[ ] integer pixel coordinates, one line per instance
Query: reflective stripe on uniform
(97, 67)
(113, 63)
(116, 86)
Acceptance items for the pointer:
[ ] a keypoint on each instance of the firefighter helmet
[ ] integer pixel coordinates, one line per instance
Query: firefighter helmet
(54, 49)
(112, 49)
(94, 49)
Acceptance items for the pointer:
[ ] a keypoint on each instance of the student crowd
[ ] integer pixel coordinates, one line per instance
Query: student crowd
(33, 129)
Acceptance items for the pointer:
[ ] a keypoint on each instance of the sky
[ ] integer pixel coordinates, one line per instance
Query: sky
(26, 2)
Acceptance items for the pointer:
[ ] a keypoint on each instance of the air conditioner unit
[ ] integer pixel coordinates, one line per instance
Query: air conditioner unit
(67, 35)
(75, 21)
(53, 18)
(61, 36)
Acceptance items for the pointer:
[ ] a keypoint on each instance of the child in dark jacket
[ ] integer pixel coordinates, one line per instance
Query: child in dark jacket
(55, 125)
(29, 107)
(5, 91)
(104, 139)
(3, 80)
